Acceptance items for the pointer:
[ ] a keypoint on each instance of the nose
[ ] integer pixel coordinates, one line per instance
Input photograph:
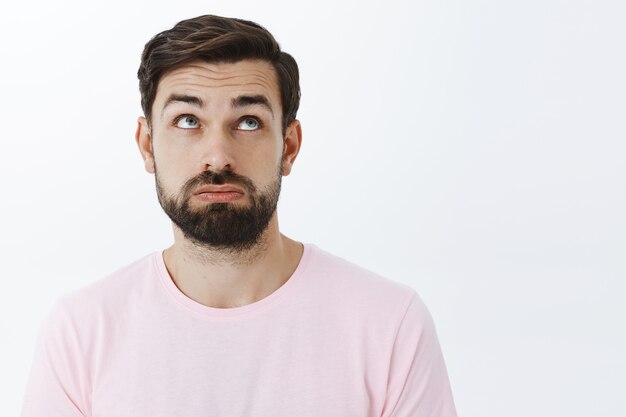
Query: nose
(217, 151)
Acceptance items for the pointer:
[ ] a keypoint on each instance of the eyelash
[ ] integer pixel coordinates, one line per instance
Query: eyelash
(182, 116)
(241, 119)
(254, 118)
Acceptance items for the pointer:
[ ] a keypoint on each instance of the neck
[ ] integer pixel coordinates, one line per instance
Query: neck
(207, 255)
(224, 278)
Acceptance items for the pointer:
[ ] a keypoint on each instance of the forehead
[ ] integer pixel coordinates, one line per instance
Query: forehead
(213, 81)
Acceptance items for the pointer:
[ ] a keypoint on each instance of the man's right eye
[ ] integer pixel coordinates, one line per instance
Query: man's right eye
(186, 122)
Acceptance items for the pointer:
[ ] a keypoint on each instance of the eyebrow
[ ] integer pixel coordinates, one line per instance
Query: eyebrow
(236, 102)
(244, 101)
(182, 98)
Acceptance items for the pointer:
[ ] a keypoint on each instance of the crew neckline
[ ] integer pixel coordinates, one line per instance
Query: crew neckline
(213, 312)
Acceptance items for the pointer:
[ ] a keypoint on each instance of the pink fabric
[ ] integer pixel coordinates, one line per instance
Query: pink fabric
(334, 340)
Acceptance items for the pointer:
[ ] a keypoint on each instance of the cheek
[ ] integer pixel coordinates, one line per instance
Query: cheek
(170, 173)
(272, 164)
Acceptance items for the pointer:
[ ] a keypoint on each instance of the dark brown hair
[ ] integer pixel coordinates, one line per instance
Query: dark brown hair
(217, 39)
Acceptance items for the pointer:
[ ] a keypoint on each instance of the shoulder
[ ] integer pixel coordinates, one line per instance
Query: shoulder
(360, 289)
(107, 296)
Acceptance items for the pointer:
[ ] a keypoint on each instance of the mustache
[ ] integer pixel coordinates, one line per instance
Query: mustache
(218, 178)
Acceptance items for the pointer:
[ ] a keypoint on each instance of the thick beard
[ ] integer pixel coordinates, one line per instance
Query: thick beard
(222, 226)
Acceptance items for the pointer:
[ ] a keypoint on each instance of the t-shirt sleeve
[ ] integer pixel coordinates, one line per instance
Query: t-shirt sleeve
(57, 383)
(418, 384)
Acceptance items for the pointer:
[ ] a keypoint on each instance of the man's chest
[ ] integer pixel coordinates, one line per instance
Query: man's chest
(262, 372)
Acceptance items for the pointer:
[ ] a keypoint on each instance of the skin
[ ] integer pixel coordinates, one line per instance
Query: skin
(217, 137)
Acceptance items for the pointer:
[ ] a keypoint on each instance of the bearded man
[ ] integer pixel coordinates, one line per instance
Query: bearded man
(234, 319)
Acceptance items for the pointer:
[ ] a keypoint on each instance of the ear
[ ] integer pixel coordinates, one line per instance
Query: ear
(293, 141)
(143, 137)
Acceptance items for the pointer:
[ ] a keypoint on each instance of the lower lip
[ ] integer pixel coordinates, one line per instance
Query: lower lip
(219, 197)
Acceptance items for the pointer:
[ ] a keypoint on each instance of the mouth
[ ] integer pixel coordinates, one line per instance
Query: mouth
(218, 193)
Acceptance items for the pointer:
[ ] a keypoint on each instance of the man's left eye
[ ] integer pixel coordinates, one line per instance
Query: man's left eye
(249, 123)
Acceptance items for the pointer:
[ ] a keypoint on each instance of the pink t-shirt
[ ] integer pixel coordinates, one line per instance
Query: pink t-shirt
(334, 341)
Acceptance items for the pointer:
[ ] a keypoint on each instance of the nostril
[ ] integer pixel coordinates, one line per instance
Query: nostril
(216, 168)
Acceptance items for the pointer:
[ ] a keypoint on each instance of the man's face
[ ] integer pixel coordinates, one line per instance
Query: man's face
(216, 147)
